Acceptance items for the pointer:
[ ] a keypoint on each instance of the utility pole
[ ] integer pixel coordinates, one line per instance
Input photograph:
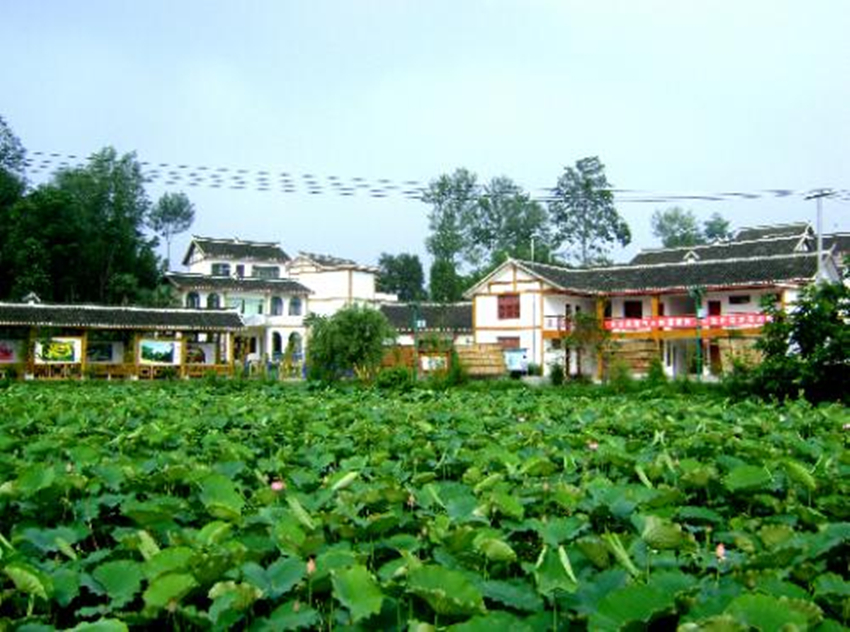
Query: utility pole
(818, 196)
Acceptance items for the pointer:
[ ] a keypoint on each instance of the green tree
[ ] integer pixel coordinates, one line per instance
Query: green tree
(676, 227)
(506, 222)
(401, 274)
(351, 341)
(79, 238)
(446, 285)
(807, 349)
(715, 228)
(453, 199)
(12, 186)
(172, 215)
(583, 212)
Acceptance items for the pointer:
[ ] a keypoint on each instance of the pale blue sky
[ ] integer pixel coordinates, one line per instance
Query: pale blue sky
(675, 96)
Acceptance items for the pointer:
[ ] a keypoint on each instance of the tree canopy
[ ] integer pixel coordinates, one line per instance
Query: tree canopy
(677, 227)
(401, 274)
(172, 215)
(583, 212)
(349, 342)
(79, 237)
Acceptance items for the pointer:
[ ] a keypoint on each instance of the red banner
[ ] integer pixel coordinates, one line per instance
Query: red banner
(686, 322)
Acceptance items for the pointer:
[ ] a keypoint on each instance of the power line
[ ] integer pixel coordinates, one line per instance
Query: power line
(290, 183)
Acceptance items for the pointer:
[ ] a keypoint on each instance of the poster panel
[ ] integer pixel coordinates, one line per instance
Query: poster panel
(200, 353)
(159, 352)
(98, 352)
(58, 351)
(10, 351)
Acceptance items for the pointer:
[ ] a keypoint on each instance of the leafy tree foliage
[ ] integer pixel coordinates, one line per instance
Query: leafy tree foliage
(172, 215)
(79, 238)
(677, 227)
(446, 284)
(350, 341)
(807, 348)
(583, 212)
(401, 274)
(452, 199)
(12, 185)
(715, 227)
(504, 223)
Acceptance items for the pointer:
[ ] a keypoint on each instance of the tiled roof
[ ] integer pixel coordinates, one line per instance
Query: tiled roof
(721, 250)
(327, 261)
(105, 317)
(455, 317)
(796, 229)
(750, 272)
(189, 281)
(237, 250)
(841, 241)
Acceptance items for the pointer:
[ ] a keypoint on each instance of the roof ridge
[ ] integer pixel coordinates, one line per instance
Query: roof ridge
(719, 244)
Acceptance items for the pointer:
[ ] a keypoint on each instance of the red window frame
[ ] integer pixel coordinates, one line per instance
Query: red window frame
(508, 306)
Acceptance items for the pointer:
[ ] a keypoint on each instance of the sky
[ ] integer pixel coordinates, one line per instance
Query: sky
(676, 97)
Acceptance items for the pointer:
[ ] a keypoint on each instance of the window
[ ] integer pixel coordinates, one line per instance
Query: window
(193, 301)
(295, 306)
(633, 309)
(714, 308)
(277, 345)
(508, 306)
(739, 299)
(508, 342)
(213, 301)
(221, 269)
(266, 272)
(240, 270)
(277, 306)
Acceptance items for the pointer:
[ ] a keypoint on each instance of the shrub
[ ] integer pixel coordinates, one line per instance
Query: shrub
(556, 373)
(620, 376)
(351, 342)
(395, 378)
(655, 376)
(534, 369)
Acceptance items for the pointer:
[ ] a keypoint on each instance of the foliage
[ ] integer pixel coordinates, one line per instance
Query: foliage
(401, 274)
(446, 285)
(677, 227)
(504, 223)
(807, 348)
(583, 212)
(176, 505)
(173, 214)
(452, 199)
(716, 228)
(556, 374)
(12, 186)
(396, 378)
(349, 342)
(92, 216)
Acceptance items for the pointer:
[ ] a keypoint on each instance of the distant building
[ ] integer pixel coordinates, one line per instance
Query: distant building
(661, 305)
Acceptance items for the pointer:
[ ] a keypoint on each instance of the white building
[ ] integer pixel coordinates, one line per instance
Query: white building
(273, 292)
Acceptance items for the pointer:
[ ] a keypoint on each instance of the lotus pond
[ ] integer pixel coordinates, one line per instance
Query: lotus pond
(265, 507)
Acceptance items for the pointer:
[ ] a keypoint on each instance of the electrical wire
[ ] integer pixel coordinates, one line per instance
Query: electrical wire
(287, 182)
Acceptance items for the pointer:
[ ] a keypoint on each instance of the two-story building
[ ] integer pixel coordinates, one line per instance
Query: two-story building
(679, 305)
(272, 291)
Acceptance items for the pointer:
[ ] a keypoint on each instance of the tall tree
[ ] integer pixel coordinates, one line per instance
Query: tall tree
(452, 199)
(401, 274)
(12, 185)
(172, 215)
(583, 212)
(445, 284)
(79, 238)
(716, 227)
(676, 227)
(504, 223)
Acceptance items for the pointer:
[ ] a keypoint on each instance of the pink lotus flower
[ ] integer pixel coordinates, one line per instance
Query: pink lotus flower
(720, 552)
(278, 486)
(311, 566)
(593, 446)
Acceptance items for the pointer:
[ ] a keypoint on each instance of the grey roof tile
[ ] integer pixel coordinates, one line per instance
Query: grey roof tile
(190, 281)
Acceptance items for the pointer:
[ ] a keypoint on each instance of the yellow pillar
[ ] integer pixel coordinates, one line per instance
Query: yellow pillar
(83, 350)
(600, 319)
